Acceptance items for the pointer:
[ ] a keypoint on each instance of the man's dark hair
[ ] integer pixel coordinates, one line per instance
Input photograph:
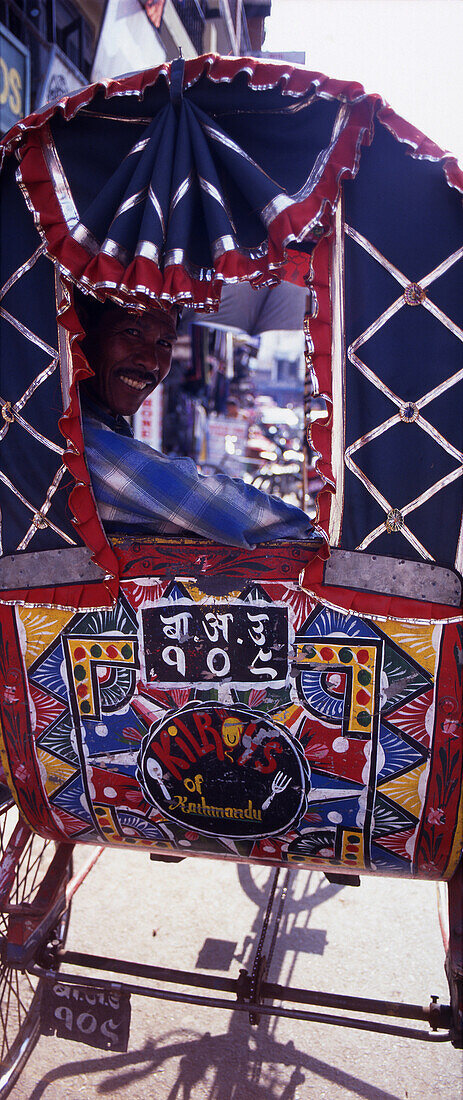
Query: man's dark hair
(90, 311)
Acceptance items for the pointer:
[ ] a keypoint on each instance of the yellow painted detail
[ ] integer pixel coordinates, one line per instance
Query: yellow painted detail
(352, 853)
(41, 628)
(405, 790)
(312, 654)
(87, 653)
(54, 772)
(201, 597)
(106, 822)
(415, 640)
(289, 715)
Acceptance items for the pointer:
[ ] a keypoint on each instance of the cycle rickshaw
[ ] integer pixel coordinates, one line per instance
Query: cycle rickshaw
(298, 705)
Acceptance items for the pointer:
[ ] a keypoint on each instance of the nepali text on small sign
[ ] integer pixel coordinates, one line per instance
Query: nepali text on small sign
(94, 1015)
(241, 643)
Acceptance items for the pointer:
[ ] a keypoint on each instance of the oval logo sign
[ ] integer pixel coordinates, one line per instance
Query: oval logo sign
(224, 771)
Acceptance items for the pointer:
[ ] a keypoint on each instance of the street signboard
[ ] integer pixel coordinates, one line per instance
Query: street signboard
(14, 80)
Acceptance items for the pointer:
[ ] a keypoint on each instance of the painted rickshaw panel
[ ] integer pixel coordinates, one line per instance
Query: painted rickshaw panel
(237, 717)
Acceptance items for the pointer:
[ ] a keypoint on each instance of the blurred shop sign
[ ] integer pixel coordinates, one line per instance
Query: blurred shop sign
(227, 438)
(147, 422)
(61, 78)
(14, 80)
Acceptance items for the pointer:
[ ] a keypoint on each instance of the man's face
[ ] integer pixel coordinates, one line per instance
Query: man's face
(130, 354)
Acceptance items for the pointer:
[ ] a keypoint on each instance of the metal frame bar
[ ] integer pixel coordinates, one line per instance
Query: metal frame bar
(438, 1016)
(27, 947)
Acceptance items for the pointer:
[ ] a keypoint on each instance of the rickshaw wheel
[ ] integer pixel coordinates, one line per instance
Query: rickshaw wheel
(20, 992)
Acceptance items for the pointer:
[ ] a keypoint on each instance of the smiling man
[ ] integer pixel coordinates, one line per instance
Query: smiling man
(136, 487)
(130, 353)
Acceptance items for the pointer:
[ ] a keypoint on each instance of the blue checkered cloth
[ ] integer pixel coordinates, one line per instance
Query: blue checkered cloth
(136, 487)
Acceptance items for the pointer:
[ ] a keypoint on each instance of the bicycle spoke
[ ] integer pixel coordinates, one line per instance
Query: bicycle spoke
(32, 868)
(19, 1000)
(7, 1013)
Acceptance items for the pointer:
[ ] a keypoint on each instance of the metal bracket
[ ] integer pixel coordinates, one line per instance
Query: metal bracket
(414, 580)
(47, 568)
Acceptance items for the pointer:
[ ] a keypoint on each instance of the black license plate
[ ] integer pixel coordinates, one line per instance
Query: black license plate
(243, 643)
(87, 1014)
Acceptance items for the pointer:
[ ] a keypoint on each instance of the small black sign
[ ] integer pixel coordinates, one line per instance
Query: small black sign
(87, 1014)
(225, 771)
(187, 643)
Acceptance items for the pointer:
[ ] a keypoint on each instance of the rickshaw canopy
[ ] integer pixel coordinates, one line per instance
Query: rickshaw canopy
(162, 186)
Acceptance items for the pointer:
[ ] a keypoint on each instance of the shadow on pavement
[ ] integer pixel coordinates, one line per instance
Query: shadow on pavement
(243, 1063)
(237, 1065)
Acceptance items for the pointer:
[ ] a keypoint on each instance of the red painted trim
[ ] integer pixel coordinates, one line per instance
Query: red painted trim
(168, 559)
(17, 738)
(81, 499)
(439, 818)
(320, 432)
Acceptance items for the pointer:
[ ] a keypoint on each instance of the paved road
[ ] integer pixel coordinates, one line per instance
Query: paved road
(379, 940)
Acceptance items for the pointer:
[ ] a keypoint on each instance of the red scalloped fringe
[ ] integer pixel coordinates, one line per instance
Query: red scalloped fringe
(142, 278)
(320, 435)
(81, 500)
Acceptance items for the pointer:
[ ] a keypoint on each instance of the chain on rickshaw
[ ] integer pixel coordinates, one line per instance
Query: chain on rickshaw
(295, 705)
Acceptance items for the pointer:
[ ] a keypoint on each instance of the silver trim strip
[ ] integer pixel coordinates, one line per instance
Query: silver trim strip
(442, 268)
(114, 249)
(338, 370)
(181, 191)
(20, 271)
(84, 237)
(42, 377)
(29, 335)
(41, 517)
(129, 203)
(223, 139)
(157, 206)
(32, 431)
(222, 245)
(62, 295)
(138, 147)
(377, 255)
(60, 183)
(393, 576)
(442, 317)
(30, 507)
(148, 250)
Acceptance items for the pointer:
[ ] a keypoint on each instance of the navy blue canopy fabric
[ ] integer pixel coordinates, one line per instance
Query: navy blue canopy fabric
(404, 357)
(167, 193)
(34, 482)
